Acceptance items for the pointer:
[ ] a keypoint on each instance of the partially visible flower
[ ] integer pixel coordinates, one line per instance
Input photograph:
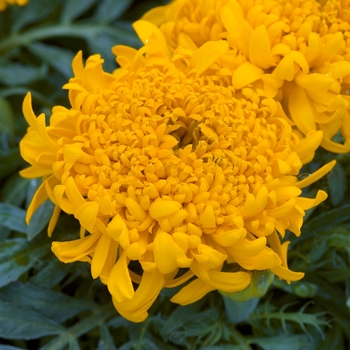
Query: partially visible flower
(165, 163)
(299, 50)
(4, 3)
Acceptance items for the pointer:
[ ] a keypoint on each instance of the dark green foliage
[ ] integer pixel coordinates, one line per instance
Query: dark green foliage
(45, 304)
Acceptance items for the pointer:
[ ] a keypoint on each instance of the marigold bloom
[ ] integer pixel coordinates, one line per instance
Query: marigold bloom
(4, 3)
(299, 50)
(165, 163)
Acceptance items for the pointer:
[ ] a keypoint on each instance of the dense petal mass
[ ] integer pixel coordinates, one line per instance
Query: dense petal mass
(170, 168)
(298, 50)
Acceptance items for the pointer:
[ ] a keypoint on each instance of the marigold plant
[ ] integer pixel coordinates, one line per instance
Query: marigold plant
(298, 50)
(175, 174)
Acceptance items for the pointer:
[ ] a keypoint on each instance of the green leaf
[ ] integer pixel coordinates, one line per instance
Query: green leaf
(13, 190)
(14, 74)
(334, 339)
(178, 318)
(21, 323)
(236, 311)
(71, 334)
(106, 342)
(52, 273)
(12, 217)
(53, 305)
(324, 221)
(10, 160)
(337, 184)
(294, 342)
(110, 10)
(72, 9)
(17, 256)
(40, 219)
(34, 11)
(9, 347)
(57, 57)
(6, 115)
(339, 239)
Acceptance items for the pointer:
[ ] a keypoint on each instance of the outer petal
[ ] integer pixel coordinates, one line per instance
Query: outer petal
(135, 309)
(119, 283)
(192, 292)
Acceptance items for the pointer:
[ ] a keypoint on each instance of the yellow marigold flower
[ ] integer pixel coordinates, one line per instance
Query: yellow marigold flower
(165, 163)
(4, 3)
(299, 50)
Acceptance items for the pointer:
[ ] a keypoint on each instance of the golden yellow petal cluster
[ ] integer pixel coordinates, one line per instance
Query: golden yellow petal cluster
(4, 3)
(174, 173)
(299, 50)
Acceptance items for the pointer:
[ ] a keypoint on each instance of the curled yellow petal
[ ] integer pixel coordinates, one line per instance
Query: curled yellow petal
(318, 174)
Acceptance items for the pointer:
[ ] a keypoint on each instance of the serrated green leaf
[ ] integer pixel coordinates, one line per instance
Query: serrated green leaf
(13, 217)
(33, 12)
(17, 256)
(110, 10)
(14, 74)
(57, 57)
(13, 190)
(40, 219)
(21, 323)
(337, 184)
(53, 305)
(10, 161)
(72, 9)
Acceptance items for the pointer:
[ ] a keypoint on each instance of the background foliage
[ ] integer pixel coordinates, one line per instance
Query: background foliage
(45, 304)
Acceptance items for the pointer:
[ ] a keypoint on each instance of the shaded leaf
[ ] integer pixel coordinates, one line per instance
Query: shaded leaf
(325, 221)
(51, 274)
(106, 340)
(236, 311)
(34, 11)
(21, 323)
(6, 115)
(57, 57)
(54, 305)
(72, 9)
(13, 74)
(10, 161)
(40, 219)
(337, 184)
(295, 342)
(334, 339)
(110, 10)
(17, 256)
(13, 217)
(13, 190)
